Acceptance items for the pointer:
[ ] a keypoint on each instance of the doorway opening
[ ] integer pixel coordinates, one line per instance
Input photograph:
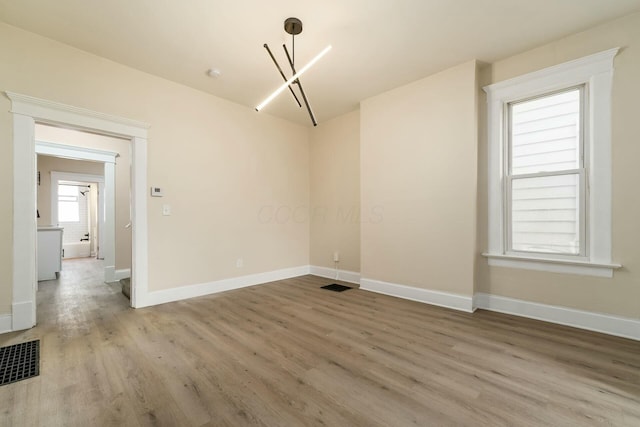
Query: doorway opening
(77, 210)
(83, 192)
(27, 111)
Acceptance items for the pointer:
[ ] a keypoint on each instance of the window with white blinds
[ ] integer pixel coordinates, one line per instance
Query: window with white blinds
(545, 179)
(549, 168)
(68, 205)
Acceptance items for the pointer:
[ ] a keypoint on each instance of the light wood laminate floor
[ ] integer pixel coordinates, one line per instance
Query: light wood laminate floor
(291, 354)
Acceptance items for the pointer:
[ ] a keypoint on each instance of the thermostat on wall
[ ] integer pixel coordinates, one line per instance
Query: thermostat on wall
(156, 192)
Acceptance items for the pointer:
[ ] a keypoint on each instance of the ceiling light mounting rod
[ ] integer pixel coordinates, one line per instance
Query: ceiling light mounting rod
(293, 26)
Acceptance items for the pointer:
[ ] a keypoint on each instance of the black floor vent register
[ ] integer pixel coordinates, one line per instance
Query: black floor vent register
(19, 362)
(336, 288)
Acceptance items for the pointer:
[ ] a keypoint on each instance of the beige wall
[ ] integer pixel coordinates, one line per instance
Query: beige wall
(418, 154)
(335, 192)
(123, 179)
(227, 170)
(219, 163)
(620, 295)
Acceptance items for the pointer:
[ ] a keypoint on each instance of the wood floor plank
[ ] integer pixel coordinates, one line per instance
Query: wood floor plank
(289, 353)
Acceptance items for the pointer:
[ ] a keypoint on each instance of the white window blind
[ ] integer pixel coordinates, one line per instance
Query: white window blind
(68, 206)
(545, 179)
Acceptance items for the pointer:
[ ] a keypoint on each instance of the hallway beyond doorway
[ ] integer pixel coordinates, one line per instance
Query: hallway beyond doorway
(78, 293)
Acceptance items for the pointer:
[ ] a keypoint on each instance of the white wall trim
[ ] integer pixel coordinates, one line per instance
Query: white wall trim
(113, 275)
(110, 273)
(73, 152)
(108, 196)
(604, 323)
(21, 313)
(574, 72)
(330, 273)
(24, 220)
(66, 176)
(106, 215)
(87, 154)
(192, 291)
(139, 236)
(58, 113)
(72, 176)
(28, 110)
(439, 298)
(596, 72)
(6, 323)
(553, 265)
(122, 274)
(608, 324)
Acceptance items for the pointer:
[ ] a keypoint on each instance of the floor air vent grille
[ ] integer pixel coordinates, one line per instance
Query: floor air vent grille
(336, 288)
(19, 362)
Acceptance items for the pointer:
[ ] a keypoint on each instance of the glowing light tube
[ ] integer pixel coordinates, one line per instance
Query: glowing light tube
(292, 79)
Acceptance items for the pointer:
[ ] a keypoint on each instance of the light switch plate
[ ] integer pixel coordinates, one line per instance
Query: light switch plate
(166, 210)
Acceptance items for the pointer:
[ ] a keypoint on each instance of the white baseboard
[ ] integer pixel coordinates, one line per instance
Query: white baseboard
(608, 324)
(22, 315)
(6, 323)
(121, 274)
(192, 291)
(76, 250)
(110, 273)
(613, 325)
(442, 299)
(330, 273)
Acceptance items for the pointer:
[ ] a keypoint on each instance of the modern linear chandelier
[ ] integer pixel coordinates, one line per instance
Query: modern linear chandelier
(293, 26)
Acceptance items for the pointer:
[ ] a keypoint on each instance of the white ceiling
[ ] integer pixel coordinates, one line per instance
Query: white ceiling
(377, 44)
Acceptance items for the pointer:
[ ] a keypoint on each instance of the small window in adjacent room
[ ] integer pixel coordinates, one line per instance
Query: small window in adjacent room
(68, 206)
(549, 171)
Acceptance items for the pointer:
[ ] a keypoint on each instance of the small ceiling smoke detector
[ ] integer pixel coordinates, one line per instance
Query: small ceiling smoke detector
(214, 73)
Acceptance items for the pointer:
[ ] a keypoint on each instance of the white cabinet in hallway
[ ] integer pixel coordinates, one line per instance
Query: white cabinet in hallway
(49, 252)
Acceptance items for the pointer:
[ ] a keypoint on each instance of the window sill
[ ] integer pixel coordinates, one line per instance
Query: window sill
(553, 265)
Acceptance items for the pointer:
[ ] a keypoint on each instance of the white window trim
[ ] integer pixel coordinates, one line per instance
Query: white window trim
(596, 72)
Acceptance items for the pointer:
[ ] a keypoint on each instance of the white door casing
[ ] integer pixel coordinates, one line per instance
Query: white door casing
(26, 111)
(56, 177)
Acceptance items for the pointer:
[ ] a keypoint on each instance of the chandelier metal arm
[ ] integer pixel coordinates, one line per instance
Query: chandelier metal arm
(282, 74)
(304, 96)
(293, 26)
